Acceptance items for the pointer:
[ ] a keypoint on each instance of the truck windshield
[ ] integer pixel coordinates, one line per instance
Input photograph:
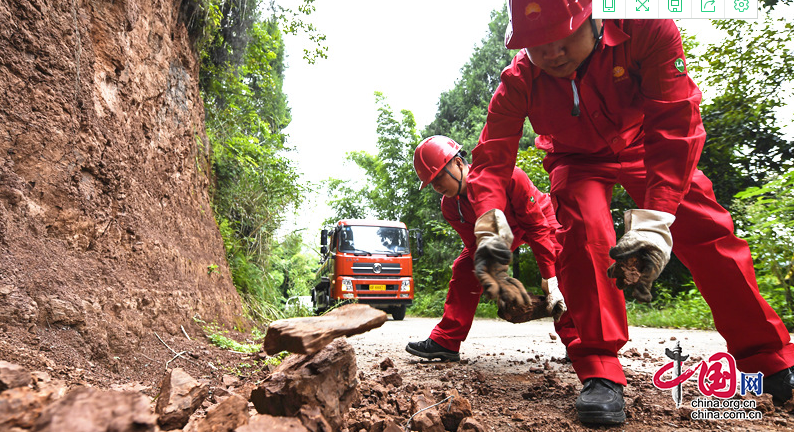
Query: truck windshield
(374, 240)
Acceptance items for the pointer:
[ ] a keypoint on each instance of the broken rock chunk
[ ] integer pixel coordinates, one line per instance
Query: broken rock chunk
(180, 395)
(326, 379)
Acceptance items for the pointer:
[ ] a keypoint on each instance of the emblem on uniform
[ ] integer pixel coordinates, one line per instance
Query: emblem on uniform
(618, 71)
(532, 199)
(679, 64)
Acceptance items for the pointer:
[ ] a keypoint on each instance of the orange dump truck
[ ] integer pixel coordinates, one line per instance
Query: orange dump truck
(368, 261)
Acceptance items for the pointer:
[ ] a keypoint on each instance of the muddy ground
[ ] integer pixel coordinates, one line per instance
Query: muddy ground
(515, 376)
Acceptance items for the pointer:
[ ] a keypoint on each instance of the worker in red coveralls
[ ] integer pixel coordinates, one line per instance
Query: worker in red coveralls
(439, 161)
(612, 103)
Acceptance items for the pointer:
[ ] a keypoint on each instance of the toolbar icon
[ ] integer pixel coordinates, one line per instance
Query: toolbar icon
(677, 5)
(642, 5)
(609, 5)
(708, 6)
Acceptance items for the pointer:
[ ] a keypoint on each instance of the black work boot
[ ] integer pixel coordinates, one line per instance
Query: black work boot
(429, 349)
(779, 385)
(601, 402)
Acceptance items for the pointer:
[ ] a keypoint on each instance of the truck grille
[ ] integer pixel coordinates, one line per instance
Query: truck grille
(369, 268)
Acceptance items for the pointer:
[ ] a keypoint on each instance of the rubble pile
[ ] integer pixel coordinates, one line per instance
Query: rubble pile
(319, 391)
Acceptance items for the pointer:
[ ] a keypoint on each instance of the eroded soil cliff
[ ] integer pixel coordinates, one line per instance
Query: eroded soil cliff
(106, 230)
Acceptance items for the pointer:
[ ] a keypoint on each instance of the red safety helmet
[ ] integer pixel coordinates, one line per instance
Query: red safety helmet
(538, 22)
(432, 155)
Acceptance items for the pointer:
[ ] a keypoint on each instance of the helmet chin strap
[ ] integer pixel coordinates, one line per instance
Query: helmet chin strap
(457, 195)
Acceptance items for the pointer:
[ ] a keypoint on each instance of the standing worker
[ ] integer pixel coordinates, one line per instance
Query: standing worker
(438, 160)
(612, 103)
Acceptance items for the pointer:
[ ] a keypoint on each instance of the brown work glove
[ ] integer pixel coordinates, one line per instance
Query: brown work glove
(492, 258)
(497, 285)
(642, 253)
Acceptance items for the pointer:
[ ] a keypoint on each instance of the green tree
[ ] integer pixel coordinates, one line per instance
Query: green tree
(751, 73)
(768, 226)
(241, 75)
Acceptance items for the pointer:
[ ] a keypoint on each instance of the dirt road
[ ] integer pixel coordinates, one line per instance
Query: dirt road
(501, 346)
(516, 376)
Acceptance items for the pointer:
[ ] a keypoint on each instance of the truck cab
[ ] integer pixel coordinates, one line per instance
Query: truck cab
(367, 261)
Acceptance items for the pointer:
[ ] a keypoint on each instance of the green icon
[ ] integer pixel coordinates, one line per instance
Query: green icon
(741, 5)
(676, 5)
(679, 64)
(642, 5)
(609, 5)
(708, 6)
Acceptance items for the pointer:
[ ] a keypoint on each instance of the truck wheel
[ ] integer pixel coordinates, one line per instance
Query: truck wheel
(320, 300)
(398, 313)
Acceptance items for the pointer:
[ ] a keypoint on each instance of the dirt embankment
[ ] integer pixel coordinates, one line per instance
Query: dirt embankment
(106, 230)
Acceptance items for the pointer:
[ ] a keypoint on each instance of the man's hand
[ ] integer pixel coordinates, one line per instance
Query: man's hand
(555, 305)
(643, 252)
(497, 285)
(492, 258)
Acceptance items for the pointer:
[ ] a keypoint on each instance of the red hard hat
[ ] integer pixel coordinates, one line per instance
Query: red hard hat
(538, 22)
(432, 155)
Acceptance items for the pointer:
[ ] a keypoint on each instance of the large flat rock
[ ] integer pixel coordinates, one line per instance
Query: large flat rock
(310, 334)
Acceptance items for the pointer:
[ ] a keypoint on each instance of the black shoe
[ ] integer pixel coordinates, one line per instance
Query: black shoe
(429, 349)
(779, 385)
(601, 402)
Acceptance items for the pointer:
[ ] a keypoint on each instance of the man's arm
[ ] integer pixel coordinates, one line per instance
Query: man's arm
(674, 133)
(525, 198)
(494, 157)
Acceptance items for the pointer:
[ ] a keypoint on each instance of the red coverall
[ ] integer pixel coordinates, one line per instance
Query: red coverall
(531, 218)
(639, 126)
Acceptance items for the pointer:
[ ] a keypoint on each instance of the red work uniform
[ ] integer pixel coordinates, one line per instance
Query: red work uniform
(531, 217)
(639, 126)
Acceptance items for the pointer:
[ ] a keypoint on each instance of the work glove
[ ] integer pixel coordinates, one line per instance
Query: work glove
(555, 303)
(643, 252)
(492, 258)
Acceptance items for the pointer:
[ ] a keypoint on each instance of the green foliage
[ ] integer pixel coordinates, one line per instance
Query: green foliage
(217, 335)
(751, 72)
(256, 183)
(767, 224)
(686, 310)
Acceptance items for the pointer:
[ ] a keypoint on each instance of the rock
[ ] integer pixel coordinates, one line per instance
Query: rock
(228, 415)
(469, 424)
(267, 423)
(313, 419)
(13, 376)
(89, 409)
(180, 396)
(452, 414)
(428, 420)
(19, 407)
(535, 309)
(386, 363)
(392, 426)
(310, 334)
(326, 379)
(393, 377)
(230, 380)
(764, 403)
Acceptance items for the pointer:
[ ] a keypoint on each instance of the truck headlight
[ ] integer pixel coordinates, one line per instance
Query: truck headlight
(404, 295)
(347, 284)
(349, 295)
(405, 285)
